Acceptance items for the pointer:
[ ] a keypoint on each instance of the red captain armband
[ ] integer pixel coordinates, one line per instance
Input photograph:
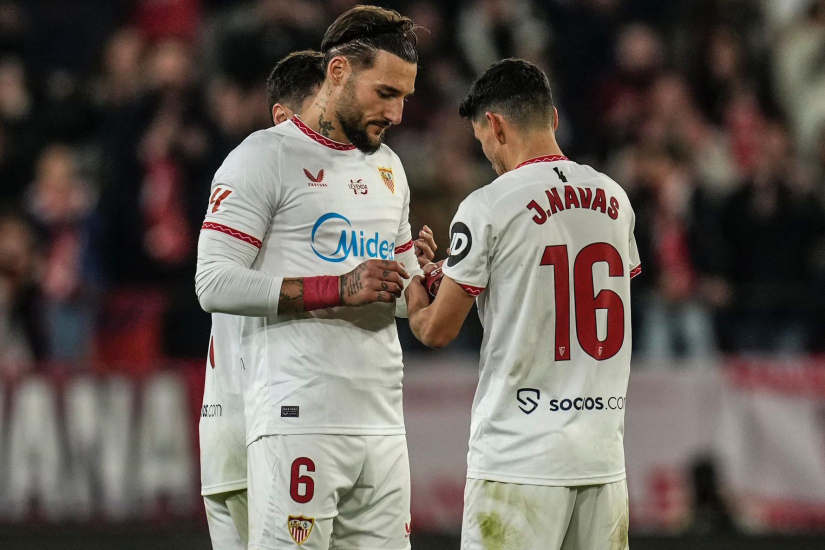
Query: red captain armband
(432, 280)
(321, 292)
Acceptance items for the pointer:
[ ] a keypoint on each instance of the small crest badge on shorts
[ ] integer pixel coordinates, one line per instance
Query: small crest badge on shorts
(388, 178)
(300, 528)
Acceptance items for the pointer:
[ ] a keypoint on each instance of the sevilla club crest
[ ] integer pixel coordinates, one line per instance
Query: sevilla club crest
(300, 528)
(388, 178)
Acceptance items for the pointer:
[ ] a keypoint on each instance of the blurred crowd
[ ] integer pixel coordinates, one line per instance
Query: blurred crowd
(115, 115)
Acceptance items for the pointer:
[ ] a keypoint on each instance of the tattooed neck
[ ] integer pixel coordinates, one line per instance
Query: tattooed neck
(325, 126)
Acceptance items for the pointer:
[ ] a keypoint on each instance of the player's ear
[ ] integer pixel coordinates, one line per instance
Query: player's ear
(497, 125)
(337, 69)
(555, 119)
(279, 114)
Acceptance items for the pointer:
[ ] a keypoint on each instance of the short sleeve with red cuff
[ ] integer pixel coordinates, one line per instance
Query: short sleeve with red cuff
(472, 239)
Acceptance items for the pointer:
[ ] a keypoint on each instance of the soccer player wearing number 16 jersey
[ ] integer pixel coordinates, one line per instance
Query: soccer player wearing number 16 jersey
(548, 251)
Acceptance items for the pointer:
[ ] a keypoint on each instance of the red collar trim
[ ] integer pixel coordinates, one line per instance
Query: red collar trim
(323, 140)
(547, 158)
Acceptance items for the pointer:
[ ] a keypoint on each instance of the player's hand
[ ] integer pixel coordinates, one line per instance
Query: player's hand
(427, 269)
(425, 247)
(417, 296)
(373, 281)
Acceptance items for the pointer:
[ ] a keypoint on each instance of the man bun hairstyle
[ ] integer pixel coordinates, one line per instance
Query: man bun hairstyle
(515, 89)
(294, 78)
(359, 33)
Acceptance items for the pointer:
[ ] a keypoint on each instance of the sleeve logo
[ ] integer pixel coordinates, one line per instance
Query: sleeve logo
(460, 243)
(218, 197)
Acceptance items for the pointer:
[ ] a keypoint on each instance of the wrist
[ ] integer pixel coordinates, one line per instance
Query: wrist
(322, 292)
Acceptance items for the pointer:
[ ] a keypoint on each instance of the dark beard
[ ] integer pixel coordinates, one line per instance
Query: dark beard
(357, 135)
(349, 117)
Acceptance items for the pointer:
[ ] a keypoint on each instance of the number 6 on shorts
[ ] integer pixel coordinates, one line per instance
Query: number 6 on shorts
(296, 480)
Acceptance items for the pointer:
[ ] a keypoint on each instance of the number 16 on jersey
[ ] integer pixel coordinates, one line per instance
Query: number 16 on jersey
(586, 303)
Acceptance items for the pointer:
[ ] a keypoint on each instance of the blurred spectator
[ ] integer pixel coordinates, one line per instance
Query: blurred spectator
(800, 76)
(490, 30)
(121, 80)
(772, 227)
(61, 205)
(160, 168)
(675, 319)
(622, 98)
(248, 41)
(21, 337)
(12, 28)
(722, 69)
(168, 18)
(18, 134)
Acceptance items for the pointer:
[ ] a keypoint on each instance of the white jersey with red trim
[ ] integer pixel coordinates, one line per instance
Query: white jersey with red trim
(222, 433)
(310, 206)
(549, 250)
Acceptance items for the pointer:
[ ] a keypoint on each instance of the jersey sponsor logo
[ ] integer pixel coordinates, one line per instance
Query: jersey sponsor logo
(528, 399)
(358, 187)
(300, 528)
(350, 242)
(588, 403)
(460, 243)
(290, 411)
(211, 411)
(315, 181)
(388, 178)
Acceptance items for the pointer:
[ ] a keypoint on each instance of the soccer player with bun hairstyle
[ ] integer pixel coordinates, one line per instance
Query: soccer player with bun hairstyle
(307, 236)
(547, 251)
(291, 87)
(371, 64)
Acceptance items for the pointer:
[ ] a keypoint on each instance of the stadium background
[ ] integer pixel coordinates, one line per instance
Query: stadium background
(711, 113)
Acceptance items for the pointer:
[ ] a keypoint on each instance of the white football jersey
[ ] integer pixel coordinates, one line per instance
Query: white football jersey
(548, 248)
(222, 440)
(312, 206)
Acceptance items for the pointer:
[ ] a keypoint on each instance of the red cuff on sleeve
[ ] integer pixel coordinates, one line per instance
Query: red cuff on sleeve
(472, 290)
(636, 271)
(240, 235)
(404, 247)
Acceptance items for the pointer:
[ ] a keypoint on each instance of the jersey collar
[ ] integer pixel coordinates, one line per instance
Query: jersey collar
(546, 158)
(323, 140)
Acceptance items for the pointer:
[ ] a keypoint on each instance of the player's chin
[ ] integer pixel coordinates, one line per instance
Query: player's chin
(376, 135)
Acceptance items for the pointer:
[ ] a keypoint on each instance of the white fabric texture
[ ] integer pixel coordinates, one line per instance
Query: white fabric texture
(536, 517)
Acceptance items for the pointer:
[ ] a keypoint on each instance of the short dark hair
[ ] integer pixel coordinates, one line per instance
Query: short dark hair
(514, 88)
(359, 33)
(294, 78)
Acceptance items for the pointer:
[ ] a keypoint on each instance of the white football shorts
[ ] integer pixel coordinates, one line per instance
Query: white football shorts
(537, 517)
(228, 519)
(337, 492)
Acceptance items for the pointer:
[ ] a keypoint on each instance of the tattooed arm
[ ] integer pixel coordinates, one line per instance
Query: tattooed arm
(372, 281)
(291, 298)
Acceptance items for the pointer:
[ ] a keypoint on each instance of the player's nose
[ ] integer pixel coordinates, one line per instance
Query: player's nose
(394, 112)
